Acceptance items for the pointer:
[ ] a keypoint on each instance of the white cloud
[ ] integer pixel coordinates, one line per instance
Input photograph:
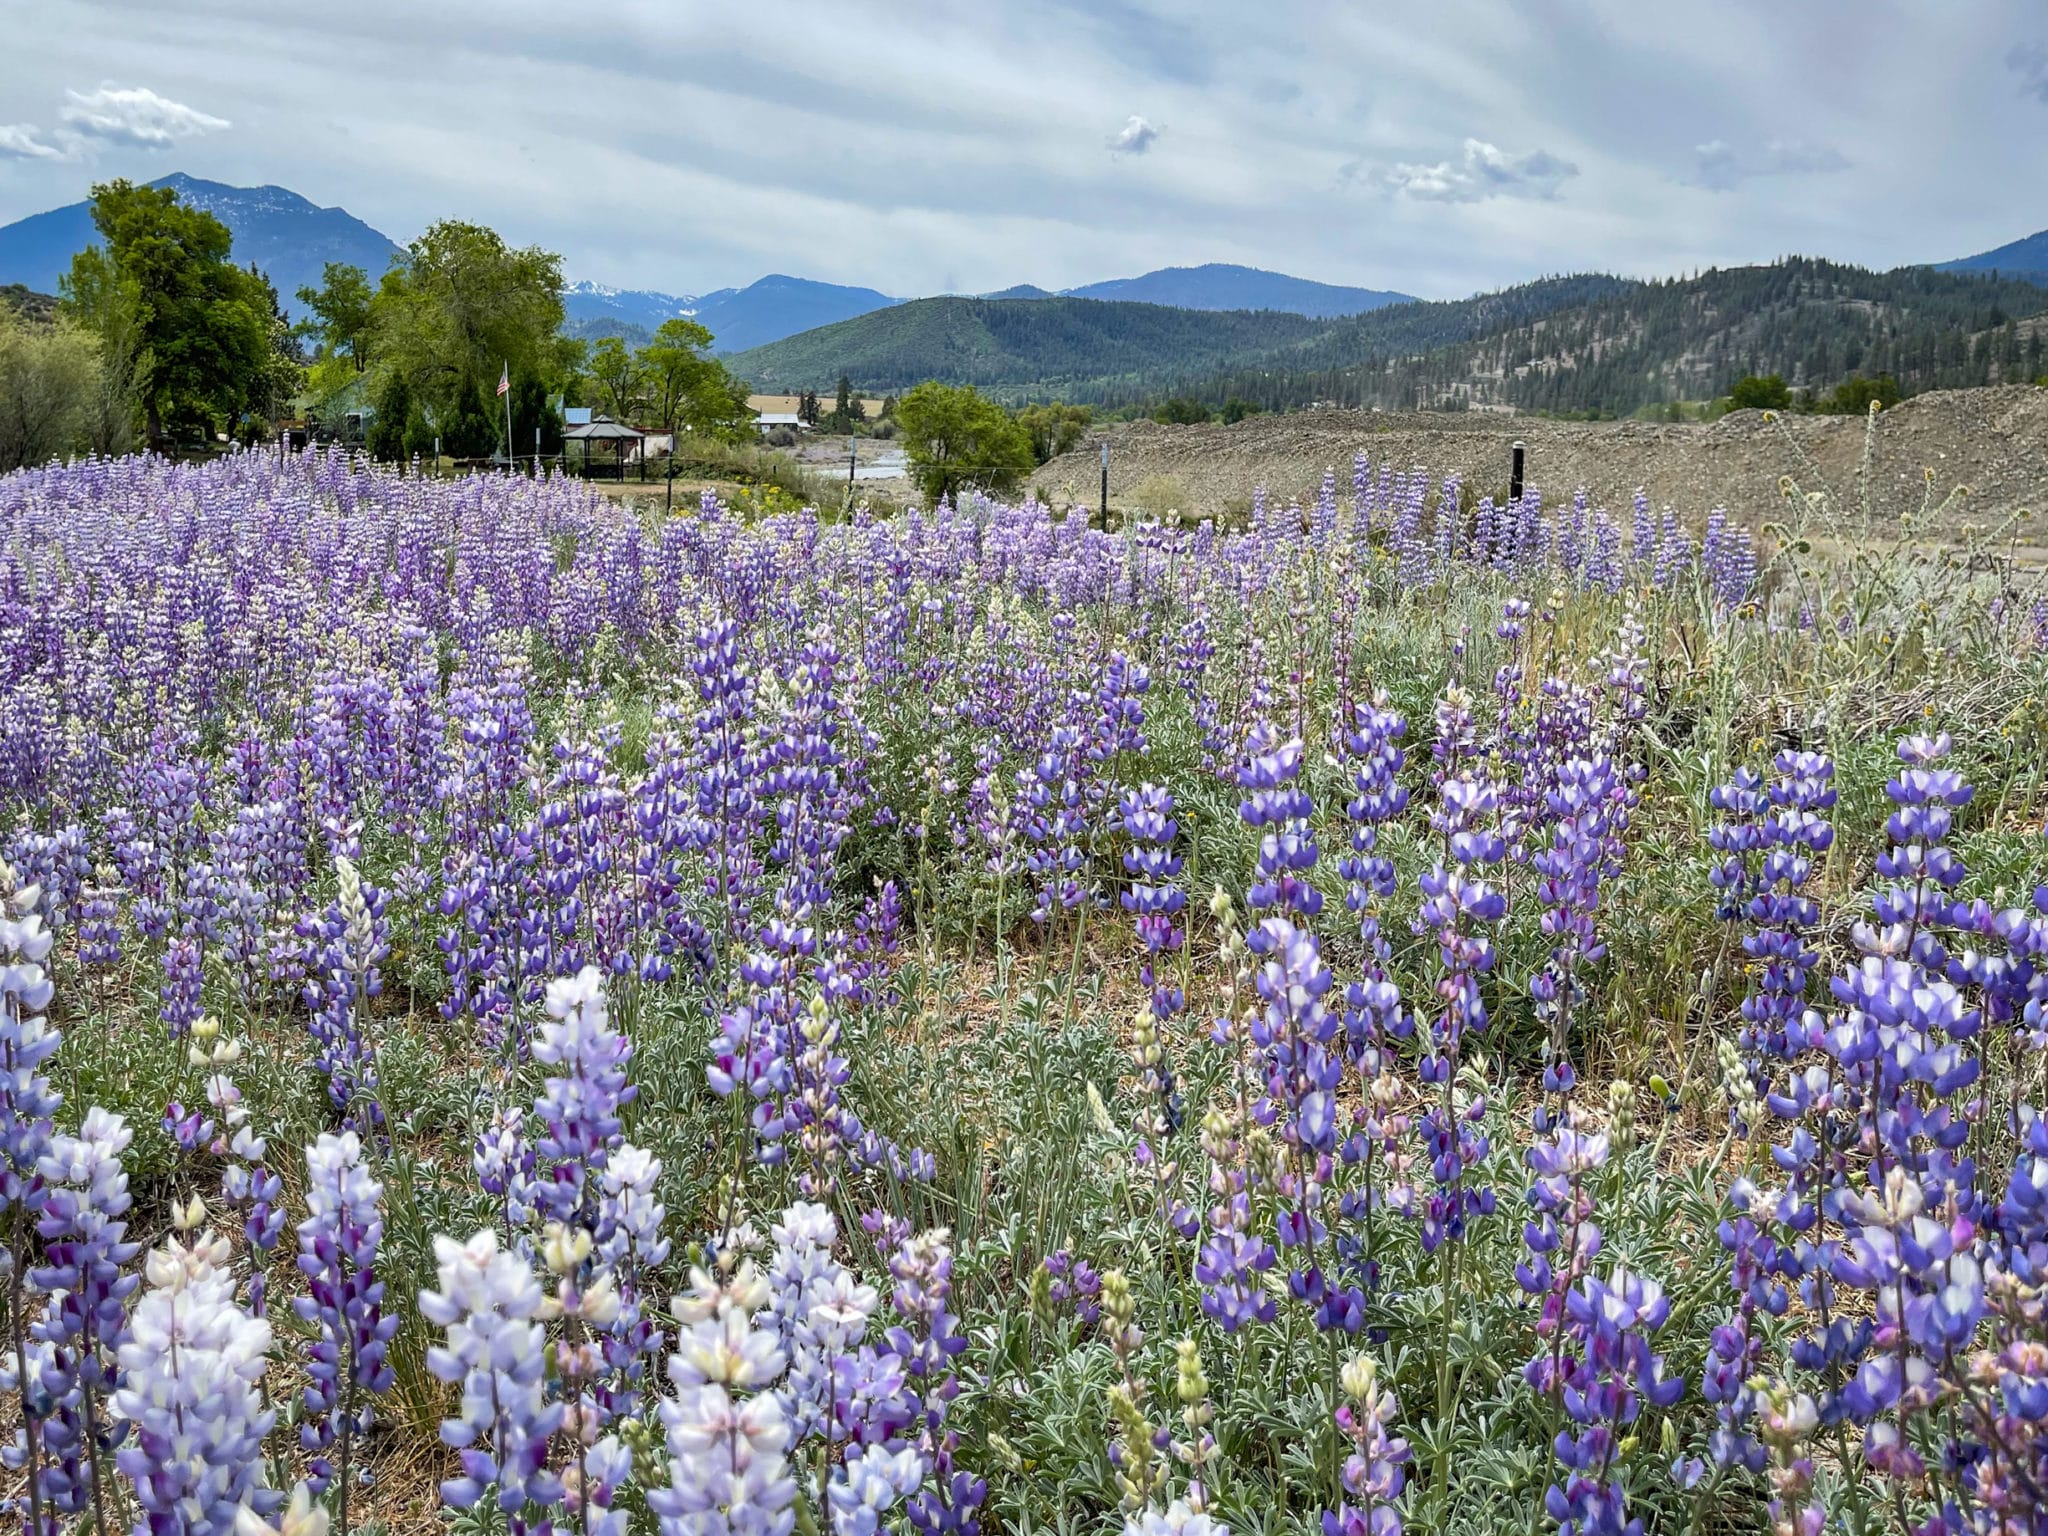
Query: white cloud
(1136, 137)
(1484, 172)
(22, 141)
(1719, 166)
(986, 183)
(2030, 62)
(136, 115)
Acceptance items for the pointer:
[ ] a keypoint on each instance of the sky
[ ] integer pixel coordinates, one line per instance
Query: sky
(1436, 147)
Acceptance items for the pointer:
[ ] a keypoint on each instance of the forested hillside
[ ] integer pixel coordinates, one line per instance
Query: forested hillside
(1575, 343)
(1088, 345)
(1815, 323)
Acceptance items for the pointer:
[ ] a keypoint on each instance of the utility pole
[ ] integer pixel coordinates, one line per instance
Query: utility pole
(1105, 485)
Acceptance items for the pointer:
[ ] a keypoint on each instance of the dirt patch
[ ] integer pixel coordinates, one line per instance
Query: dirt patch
(1995, 441)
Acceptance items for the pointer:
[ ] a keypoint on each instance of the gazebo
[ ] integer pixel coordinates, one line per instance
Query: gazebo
(604, 430)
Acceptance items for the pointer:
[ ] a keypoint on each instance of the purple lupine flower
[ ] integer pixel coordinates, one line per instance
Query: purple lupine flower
(751, 1051)
(28, 1106)
(817, 1312)
(179, 1006)
(1072, 1281)
(1373, 1003)
(245, 1182)
(581, 821)
(1607, 1390)
(84, 1323)
(825, 1132)
(344, 1302)
(1053, 815)
(631, 1250)
(1374, 1472)
(1279, 809)
(1899, 1049)
(876, 943)
(1193, 650)
(503, 1161)
(99, 923)
(1728, 561)
(1569, 872)
(1794, 834)
(1562, 1238)
(1232, 1257)
(1735, 1351)
(927, 1340)
(728, 1461)
(343, 948)
(1457, 903)
(1924, 871)
(496, 1353)
(727, 810)
(191, 1395)
(578, 1110)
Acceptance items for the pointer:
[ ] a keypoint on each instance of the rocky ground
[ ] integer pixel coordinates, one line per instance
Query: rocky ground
(1994, 441)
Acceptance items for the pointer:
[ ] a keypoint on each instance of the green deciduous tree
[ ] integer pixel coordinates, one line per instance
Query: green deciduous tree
(339, 310)
(686, 387)
(202, 324)
(1055, 429)
(675, 362)
(958, 440)
(616, 374)
(110, 311)
(458, 305)
(48, 381)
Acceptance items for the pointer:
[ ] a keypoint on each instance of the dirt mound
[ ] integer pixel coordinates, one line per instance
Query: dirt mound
(1995, 441)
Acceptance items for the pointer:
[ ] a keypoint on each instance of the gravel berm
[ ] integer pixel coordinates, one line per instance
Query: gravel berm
(1994, 441)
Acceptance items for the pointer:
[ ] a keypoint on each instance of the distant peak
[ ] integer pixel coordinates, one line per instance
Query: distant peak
(215, 196)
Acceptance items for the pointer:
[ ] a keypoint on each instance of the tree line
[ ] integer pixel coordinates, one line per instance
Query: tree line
(160, 339)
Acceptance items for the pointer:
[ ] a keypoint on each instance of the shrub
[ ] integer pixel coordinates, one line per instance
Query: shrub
(1180, 411)
(1768, 393)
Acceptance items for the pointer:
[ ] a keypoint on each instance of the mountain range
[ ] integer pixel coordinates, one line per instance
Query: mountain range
(291, 238)
(1587, 343)
(1103, 349)
(287, 236)
(738, 318)
(1584, 342)
(779, 306)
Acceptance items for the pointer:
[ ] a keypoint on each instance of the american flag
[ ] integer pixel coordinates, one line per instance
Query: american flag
(505, 379)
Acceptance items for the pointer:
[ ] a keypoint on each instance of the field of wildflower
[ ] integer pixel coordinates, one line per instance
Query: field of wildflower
(1413, 1014)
